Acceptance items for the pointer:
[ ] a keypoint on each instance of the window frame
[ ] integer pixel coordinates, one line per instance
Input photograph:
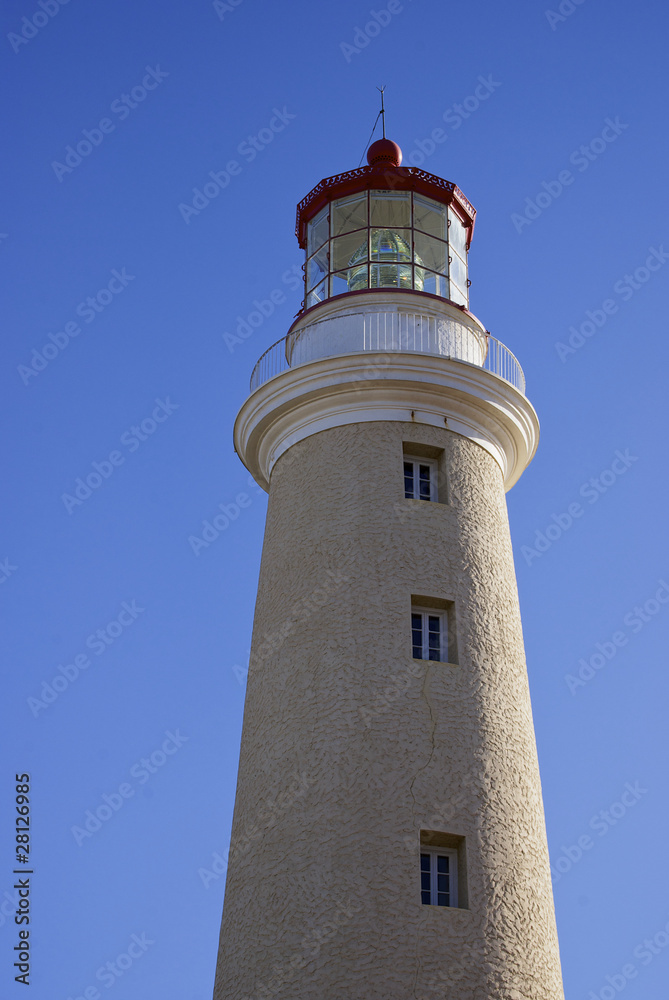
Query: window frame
(426, 614)
(433, 853)
(433, 466)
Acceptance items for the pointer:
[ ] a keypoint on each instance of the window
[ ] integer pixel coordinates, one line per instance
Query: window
(438, 877)
(443, 869)
(427, 635)
(433, 630)
(420, 479)
(424, 472)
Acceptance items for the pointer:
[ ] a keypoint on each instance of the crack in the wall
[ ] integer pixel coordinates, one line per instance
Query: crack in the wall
(432, 732)
(433, 729)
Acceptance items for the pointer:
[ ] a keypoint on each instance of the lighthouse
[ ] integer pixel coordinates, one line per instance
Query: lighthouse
(388, 839)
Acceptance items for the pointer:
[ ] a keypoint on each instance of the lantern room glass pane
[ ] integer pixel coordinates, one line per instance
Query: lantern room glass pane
(317, 268)
(429, 217)
(349, 214)
(317, 231)
(457, 234)
(391, 260)
(390, 209)
(349, 249)
(393, 242)
(391, 276)
(339, 282)
(458, 271)
(435, 284)
(432, 253)
(458, 296)
(317, 294)
(386, 239)
(391, 257)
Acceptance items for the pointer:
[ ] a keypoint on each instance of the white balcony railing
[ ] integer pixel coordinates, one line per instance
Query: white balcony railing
(388, 332)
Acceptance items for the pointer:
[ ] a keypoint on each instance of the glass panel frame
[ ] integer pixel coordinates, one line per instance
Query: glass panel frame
(431, 256)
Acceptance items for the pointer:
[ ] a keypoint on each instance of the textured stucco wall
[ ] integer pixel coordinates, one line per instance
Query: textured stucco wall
(350, 746)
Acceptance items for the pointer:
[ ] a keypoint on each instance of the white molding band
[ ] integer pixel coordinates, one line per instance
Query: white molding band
(365, 386)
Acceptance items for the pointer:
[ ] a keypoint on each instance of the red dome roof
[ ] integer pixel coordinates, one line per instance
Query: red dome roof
(384, 151)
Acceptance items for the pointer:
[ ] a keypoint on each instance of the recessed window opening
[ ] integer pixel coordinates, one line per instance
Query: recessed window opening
(433, 630)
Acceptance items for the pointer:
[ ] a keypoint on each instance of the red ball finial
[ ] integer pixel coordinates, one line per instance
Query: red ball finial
(384, 151)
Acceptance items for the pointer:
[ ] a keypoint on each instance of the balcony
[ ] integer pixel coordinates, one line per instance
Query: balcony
(452, 334)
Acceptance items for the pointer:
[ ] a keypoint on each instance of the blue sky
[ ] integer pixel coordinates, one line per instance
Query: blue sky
(143, 382)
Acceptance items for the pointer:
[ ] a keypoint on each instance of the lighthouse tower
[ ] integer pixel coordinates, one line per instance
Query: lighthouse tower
(388, 839)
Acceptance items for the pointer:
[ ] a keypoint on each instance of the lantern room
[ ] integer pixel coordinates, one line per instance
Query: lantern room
(385, 226)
